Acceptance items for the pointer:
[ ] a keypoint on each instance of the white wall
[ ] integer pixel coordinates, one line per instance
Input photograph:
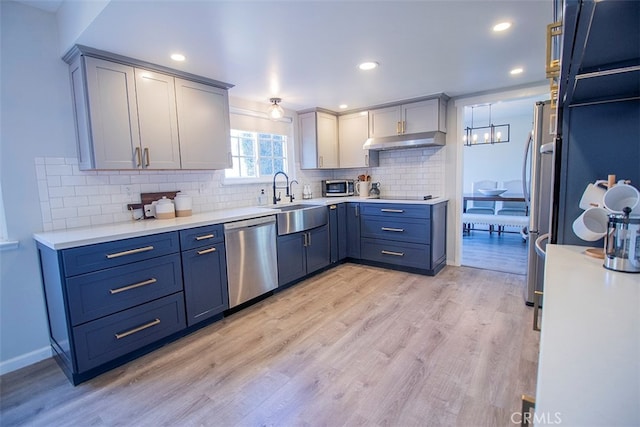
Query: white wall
(43, 188)
(37, 120)
(498, 162)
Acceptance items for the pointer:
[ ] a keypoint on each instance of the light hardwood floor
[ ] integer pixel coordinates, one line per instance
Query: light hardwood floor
(355, 345)
(506, 252)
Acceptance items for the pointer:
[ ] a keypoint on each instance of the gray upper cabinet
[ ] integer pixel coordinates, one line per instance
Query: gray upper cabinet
(353, 131)
(319, 140)
(410, 118)
(106, 114)
(135, 115)
(203, 122)
(157, 118)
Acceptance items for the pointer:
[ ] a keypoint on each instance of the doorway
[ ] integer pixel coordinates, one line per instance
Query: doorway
(487, 242)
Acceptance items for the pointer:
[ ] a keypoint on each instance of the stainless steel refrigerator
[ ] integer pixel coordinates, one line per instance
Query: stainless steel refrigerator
(538, 170)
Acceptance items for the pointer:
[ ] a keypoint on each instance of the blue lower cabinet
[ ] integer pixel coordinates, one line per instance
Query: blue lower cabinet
(338, 231)
(104, 292)
(205, 282)
(107, 338)
(352, 216)
(300, 254)
(398, 253)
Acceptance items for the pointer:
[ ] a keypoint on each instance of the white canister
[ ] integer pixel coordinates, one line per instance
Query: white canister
(183, 203)
(165, 209)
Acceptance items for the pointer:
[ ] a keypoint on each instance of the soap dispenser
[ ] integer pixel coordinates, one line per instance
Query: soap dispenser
(262, 198)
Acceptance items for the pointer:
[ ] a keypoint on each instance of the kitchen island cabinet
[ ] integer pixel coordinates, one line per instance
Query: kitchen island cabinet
(135, 115)
(204, 267)
(300, 254)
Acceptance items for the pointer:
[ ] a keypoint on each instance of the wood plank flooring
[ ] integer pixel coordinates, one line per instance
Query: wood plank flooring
(506, 253)
(355, 345)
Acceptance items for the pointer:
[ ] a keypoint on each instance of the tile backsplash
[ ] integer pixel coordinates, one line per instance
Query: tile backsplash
(72, 198)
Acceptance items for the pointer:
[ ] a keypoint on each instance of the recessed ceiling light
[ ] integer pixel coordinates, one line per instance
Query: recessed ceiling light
(368, 65)
(502, 26)
(342, 106)
(516, 71)
(178, 57)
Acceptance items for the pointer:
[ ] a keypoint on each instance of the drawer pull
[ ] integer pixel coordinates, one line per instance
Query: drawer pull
(131, 252)
(392, 253)
(138, 329)
(397, 230)
(392, 210)
(206, 251)
(333, 207)
(207, 236)
(135, 285)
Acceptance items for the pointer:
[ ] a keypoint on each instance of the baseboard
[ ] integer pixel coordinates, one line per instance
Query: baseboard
(25, 360)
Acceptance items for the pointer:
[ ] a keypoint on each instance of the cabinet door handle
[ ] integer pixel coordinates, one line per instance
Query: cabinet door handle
(392, 210)
(147, 157)
(404, 125)
(130, 252)
(304, 240)
(333, 207)
(357, 211)
(138, 329)
(133, 286)
(308, 239)
(397, 230)
(392, 253)
(138, 157)
(205, 237)
(206, 251)
(366, 160)
(398, 128)
(320, 161)
(537, 297)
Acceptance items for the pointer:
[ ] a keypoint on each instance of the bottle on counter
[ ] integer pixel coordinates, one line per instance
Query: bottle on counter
(306, 192)
(262, 198)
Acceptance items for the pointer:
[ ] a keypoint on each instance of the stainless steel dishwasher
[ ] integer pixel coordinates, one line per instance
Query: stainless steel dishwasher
(252, 264)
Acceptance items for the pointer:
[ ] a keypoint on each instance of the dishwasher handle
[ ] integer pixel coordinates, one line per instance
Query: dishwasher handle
(253, 222)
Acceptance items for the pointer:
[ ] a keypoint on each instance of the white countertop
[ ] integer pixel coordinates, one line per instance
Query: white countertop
(74, 237)
(589, 365)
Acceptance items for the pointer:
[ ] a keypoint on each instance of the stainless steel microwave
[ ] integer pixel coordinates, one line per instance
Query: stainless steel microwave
(337, 187)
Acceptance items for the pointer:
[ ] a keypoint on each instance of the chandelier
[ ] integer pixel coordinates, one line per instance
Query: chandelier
(490, 134)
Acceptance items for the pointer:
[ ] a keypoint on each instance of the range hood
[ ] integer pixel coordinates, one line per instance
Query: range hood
(414, 140)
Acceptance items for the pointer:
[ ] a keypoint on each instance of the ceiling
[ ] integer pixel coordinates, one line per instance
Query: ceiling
(307, 52)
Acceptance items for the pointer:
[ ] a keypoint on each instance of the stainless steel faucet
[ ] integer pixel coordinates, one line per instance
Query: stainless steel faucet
(291, 190)
(276, 199)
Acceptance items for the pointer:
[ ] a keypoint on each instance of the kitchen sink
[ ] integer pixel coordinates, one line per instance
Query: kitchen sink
(300, 217)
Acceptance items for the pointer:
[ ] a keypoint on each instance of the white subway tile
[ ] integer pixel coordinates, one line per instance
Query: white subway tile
(149, 188)
(41, 171)
(75, 201)
(59, 224)
(139, 179)
(89, 210)
(47, 226)
(61, 213)
(58, 169)
(38, 160)
(97, 180)
(88, 190)
(102, 219)
(112, 208)
(61, 191)
(43, 191)
(78, 222)
(53, 181)
(54, 160)
(45, 209)
(99, 200)
(119, 179)
(73, 180)
(56, 202)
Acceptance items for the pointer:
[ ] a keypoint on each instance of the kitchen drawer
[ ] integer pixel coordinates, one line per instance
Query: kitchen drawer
(105, 339)
(104, 292)
(111, 254)
(404, 230)
(201, 236)
(405, 254)
(395, 210)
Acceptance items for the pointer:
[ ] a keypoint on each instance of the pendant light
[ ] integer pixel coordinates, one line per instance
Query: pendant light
(275, 111)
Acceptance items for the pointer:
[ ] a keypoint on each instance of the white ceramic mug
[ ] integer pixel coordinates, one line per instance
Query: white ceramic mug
(621, 196)
(592, 224)
(593, 195)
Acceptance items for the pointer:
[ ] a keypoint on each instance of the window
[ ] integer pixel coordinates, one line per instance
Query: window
(257, 154)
